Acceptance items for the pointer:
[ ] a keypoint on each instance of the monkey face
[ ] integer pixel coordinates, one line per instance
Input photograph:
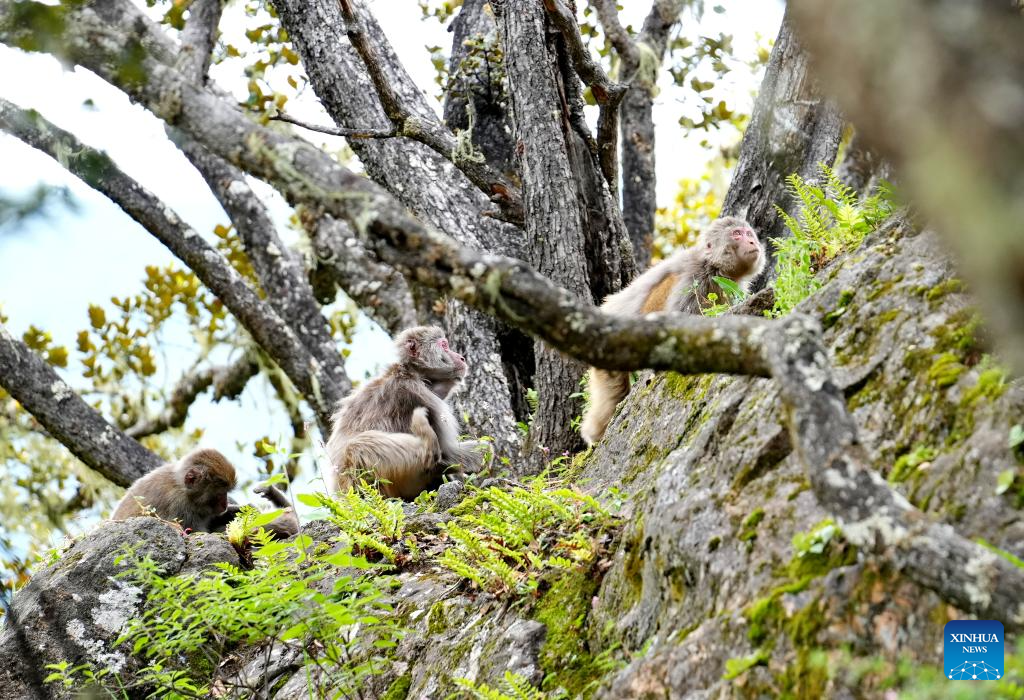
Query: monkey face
(745, 243)
(426, 350)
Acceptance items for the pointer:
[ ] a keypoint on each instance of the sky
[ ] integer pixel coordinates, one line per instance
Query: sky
(52, 268)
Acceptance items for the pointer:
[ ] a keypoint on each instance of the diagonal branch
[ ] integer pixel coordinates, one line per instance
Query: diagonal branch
(337, 130)
(430, 132)
(606, 92)
(67, 417)
(875, 517)
(227, 382)
(280, 271)
(98, 171)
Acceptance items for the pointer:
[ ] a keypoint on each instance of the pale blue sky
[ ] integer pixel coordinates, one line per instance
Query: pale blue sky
(51, 269)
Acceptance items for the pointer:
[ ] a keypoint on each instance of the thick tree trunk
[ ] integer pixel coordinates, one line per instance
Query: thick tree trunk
(421, 179)
(552, 200)
(792, 130)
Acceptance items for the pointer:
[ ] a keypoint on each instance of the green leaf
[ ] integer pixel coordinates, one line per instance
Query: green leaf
(308, 499)
(1005, 480)
(266, 518)
(1016, 436)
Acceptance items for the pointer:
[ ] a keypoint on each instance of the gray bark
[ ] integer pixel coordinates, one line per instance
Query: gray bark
(479, 90)
(421, 179)
(552, 200)
(792, 130)
(639, 172)
(69, 419)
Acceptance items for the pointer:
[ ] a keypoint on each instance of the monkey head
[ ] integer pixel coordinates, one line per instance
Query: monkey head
(732, 246)
(424, 350)
(207, 476)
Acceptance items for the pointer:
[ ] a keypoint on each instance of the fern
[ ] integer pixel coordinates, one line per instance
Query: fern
(513, 687)
(501, 541)
(830, 220)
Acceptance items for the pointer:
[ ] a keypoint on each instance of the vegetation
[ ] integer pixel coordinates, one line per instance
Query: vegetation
(190, 623)
(831, 219)
(504, 540)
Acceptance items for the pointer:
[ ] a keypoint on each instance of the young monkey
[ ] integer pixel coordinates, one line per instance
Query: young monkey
(194, 493)
(398, 430)
(728, 248)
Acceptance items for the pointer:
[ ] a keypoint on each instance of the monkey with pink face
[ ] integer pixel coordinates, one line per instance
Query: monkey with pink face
(728, 248)
(398, 431)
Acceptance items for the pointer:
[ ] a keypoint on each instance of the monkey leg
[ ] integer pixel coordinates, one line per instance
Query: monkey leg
(403, 464)
(607, 389)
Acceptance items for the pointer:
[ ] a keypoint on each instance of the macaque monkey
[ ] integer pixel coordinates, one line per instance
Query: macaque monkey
(194, 493)
(728, 248)
(398, 430)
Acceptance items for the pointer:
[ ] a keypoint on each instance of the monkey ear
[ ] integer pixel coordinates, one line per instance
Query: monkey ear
(191, 477)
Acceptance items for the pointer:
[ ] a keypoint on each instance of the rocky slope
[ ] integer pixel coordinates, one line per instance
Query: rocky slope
(727, 579)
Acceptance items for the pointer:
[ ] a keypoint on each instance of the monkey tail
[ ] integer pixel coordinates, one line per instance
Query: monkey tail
(607, 389)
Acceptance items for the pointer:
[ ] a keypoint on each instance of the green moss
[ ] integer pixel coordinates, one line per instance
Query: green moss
(437, 620)
(714, 542)
(399, 690)
(750, 524)
(738, 666)
(945, 370)
(990, 386)
(950, 286)
(845, 297)
(907, 464)
(563, 609)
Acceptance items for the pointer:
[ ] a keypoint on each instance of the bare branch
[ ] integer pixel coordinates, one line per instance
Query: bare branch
(69, 419)
(267, 328)
(608, 15)
(227, 382)
(198, 38)
(606, 92)
(280, 271)
(430, 132)
(338, 131)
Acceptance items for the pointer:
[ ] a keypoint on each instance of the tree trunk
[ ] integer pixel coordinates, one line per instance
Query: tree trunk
(792, 130)
(421, 179)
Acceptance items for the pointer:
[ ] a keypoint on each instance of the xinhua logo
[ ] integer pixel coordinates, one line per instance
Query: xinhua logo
(973, 650)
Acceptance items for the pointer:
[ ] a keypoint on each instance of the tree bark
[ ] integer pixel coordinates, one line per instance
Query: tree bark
(69, 419)
(552, 201)
(639, 173)
(420, 178)
(791, 130)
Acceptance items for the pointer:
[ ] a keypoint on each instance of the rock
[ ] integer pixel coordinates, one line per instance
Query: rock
(73, 609)
(449, 494)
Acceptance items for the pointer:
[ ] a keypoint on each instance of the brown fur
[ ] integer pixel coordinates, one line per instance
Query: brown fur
(658, 297)
(192, 491)
(397, 429)
(680, 282)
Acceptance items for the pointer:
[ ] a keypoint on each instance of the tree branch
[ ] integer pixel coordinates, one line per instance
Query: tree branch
(280, 271)
(607, 12)
(227, 382)
(68, 418)
(338, 131)
(198, 38)
(266, 327)
(606, 92)
(874, 517)
(430, 132)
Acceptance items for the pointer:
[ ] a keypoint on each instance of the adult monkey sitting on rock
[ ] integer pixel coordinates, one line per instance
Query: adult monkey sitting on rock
(398, 430)
(728, 248)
